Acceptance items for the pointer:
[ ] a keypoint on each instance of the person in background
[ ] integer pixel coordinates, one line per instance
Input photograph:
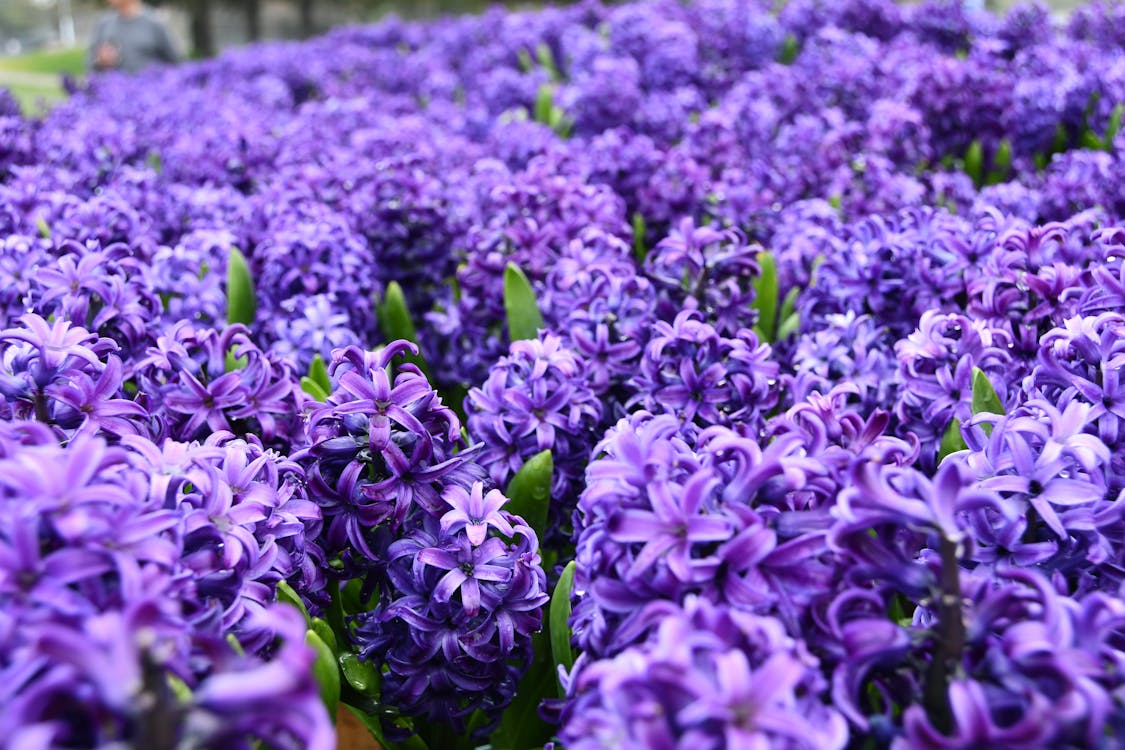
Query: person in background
(130, 38)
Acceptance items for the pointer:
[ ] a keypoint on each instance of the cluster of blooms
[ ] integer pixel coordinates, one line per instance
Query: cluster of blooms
(787, 266)
(458, 579)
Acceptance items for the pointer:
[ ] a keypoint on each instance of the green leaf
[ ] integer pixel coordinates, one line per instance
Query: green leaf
(285, 593)
(789, 304)
(1090, 141)
(985, 400)
(974, 162)
(44, 230)
(952, 441)
(765, 297)
(324, 631)
(789, 326)
(558, 620)
(242, 304)
(318, 372)
(544, 103)
(524, 318)
(351, 598)
(520, 727)
(396, 323)
(154, 162)
(547, 60)
(233, 362)
(640, 250)
(1001, 163)
(789, 50)
(526, 63)
(1114, 126)
(394, 316)
(326, 672)
(529, 492)
(363, 676)
(1061, 138)
(311, 387)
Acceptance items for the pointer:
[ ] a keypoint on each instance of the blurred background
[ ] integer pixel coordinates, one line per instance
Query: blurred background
(42, 39)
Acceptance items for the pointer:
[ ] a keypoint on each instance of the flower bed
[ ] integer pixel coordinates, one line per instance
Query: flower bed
(656, 375)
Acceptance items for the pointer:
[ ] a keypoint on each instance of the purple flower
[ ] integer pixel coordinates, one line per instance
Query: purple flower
(475, 512)
(536, 399)
(720, 677)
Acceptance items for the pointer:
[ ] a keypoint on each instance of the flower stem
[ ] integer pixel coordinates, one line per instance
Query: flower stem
(950, 639)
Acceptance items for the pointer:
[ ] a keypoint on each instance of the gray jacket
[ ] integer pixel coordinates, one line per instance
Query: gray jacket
(140, 41)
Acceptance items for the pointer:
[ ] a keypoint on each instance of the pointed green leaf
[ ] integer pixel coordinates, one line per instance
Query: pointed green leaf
(326, 672)
(529, 492)
(242, 304)
(526, 63)
(952, 441)
(520, 727)
(395, 322)
(559, 625)
(640, 250)
(318, 373)
(1061, 139)
(547, 60)
(524, 318)
(985, 400)
(285, 593)
(1090, 141)
(233, 362)
(1114, 126)
(311, 387)
(789, 50)
(788, 326)
(789, 304)
(765, 297)
(1001, 163)
(544, 103)
(324, 631)
(363, 676)
(1003, 159)
(974, 162)
(154, 162)
(394, 316)
(44, 230)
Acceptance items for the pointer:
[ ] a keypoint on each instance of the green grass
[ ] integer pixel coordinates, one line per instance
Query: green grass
(32, 97)
(34, 78)
(55, 62)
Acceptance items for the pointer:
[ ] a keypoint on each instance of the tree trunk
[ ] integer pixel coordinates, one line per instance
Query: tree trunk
(202, 34)
(253, 19)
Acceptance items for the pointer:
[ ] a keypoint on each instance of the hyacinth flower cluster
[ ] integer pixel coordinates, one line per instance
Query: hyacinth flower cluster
(457, 580)
(537, 399)
(126, 621)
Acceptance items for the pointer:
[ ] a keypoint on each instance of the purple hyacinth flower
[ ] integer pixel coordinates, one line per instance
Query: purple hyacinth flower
(474, 512)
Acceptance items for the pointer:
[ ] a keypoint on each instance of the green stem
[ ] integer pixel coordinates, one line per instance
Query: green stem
(950, 640)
